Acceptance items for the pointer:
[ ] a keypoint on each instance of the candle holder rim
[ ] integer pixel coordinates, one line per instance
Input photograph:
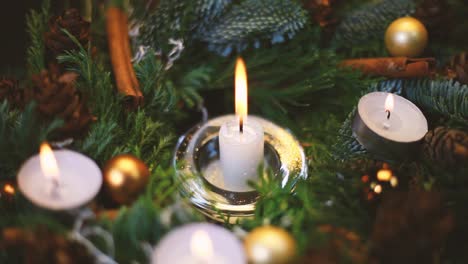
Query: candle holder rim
(211, 207)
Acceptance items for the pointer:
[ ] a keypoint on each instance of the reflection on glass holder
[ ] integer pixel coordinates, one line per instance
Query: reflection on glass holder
(196, 161)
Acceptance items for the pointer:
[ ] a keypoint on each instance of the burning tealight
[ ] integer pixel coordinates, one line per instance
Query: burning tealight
(199, 243)
(388, 125)
(241, 141)
(60, 179)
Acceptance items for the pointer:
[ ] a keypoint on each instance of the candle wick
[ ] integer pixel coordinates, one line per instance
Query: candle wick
(388, 114)
(55, 186)
(241, 125)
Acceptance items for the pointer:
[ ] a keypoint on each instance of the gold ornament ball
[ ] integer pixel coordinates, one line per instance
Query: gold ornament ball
(406, 37)
(270, 245)
(125, 177)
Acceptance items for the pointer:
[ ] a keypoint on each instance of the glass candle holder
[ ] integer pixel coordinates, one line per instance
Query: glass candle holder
(197, 165)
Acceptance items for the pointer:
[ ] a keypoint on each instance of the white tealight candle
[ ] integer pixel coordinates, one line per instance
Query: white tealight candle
(59, 180)
(388, 125)
(241, 141)
(240, 154)
(199, 243)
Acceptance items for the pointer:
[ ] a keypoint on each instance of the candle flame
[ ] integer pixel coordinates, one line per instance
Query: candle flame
(389, 103)
(48, 162)
(201, 246)
(241, 89)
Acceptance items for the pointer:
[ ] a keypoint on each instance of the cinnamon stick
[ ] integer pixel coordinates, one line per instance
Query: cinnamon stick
(128, 52)
(398, 67)
(119, 49)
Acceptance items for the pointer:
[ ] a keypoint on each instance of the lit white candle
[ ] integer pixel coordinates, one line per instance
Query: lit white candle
(59, 180)
(388, 125)
(240, 140)
(199, 243)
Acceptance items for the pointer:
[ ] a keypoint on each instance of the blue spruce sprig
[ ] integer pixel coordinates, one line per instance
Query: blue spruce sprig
(252, 21)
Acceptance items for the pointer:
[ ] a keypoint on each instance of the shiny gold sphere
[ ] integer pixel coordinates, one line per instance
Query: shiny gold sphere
(125, 177)
(406, 37)
(270, 245)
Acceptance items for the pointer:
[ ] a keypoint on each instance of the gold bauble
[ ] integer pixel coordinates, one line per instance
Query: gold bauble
(406, 37)
(125, 177)
(270, 245)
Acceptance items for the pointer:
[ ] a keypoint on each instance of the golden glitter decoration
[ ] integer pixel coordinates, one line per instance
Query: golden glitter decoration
(125, 177)
(406, 37)
(270, 245)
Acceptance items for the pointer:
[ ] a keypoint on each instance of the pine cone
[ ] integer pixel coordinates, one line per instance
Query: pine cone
(342, 244)
(57, 42)
(10, 91)
(410, 227)
(447, 146)
(42, 246)
(57, 96)
(458, 68)
(322, 11)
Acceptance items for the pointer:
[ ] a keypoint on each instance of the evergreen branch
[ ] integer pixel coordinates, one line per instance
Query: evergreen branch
(166, 88)
(135, 225)
(370, 22)
(444, 97)
(304, 77)
(20, 136)
(146, 138)
(36, 23)
(94, 81)
(347, 147)
(171, 20)
(225, 25)
(252, 21)
(101, 137)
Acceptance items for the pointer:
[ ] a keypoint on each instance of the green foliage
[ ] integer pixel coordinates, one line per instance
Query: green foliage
(167, 87)
(296, 76)
(444, 97)
(370, 22)
(145, 138)
(347, 147)
(225, 26)
(295, 83)
(36, 23)
(20, 136)
(325, 197)
(251, 21)
(171, 20)
(94, 80)
(136, 225)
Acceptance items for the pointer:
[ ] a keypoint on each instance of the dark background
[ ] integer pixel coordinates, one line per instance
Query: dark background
(14, 37)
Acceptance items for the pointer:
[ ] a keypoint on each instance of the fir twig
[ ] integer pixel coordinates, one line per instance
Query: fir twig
(36, 23)
(20, 136)
(444, 97)
(370, 22)
(252, 21)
